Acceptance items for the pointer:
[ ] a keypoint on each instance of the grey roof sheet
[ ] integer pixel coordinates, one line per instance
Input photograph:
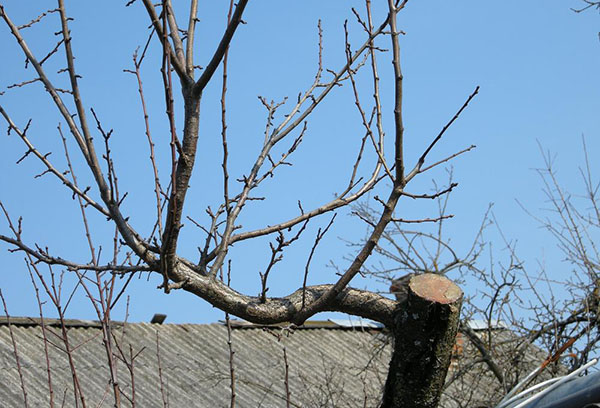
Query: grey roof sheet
(329, 365)
(326, 367)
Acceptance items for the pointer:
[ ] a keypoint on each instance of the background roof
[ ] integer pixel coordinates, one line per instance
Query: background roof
(330, 365)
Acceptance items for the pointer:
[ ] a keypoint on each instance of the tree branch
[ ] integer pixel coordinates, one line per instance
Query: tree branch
(277, 310)
(210, 69)
(177, 65)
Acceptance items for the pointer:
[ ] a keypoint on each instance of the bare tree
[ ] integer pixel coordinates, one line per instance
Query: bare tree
(587, 4)
(553, 308)
(432, 305)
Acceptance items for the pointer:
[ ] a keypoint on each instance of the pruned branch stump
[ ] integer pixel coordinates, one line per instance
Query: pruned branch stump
(424, 331)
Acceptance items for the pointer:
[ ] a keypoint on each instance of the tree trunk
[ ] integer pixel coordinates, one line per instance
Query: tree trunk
(424, 332)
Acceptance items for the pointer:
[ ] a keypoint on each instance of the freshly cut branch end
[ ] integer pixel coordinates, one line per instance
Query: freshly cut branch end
(435, 288)
(424, 331)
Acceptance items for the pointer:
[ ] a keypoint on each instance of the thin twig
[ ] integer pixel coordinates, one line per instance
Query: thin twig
(318, 238)
(421, 161)
(15, 351)
(163, 392)
(437, 219)
(44, 337)
(232, 375)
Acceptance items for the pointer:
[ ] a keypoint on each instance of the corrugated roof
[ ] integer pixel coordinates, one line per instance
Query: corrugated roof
(330, 363)
(326, 367)
(349, 323)
(480, 324)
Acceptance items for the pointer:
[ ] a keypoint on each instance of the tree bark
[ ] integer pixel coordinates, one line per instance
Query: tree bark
(356, 302)
(424, 331)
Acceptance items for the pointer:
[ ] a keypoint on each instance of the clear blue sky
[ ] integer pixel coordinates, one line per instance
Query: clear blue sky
(536, 63)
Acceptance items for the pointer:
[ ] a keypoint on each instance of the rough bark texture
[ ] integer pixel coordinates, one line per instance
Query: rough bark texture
(356, 302)
(424, 332)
